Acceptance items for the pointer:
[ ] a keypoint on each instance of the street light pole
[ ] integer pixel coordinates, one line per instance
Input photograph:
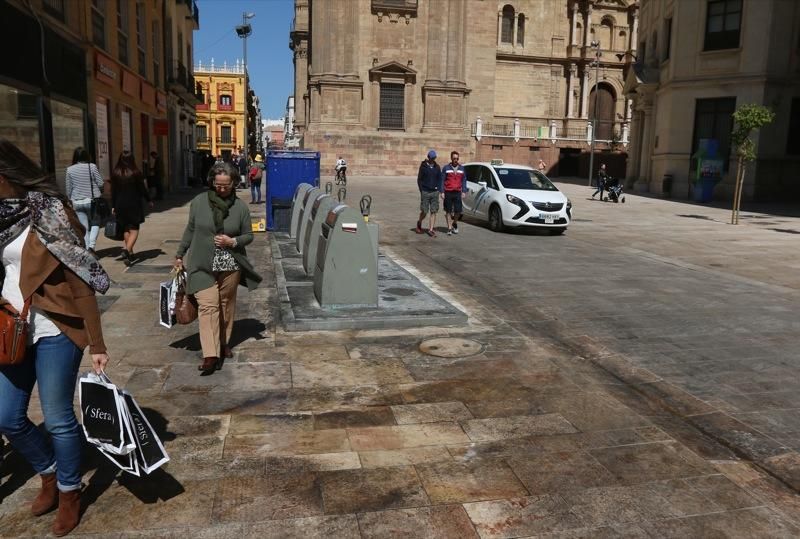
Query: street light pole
(597, 54)
(243, 31)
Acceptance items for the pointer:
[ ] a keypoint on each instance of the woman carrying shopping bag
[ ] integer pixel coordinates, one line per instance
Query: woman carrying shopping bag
(215, 237)
(49, 274)
(84, 184)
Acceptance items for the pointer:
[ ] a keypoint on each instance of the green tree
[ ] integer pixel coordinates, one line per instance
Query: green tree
(748, 118)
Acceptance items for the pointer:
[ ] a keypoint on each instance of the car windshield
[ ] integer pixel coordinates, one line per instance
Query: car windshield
(519, 178)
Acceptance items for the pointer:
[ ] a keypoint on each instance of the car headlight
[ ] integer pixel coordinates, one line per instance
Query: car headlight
(515, 200)
(569, 204)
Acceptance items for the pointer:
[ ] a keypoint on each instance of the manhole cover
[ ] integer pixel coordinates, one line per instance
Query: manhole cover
(450, 347)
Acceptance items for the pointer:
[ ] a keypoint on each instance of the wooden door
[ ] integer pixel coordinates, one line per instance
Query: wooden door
(605, 112)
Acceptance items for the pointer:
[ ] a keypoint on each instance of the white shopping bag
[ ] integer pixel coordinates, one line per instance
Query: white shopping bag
(166, 300)
(104, 414)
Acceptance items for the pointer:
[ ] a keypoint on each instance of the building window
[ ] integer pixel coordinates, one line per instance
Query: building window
(507, 25)
(156, 53)
(141, 39)
(667, 39)
(713, 119)
(99, 23)
(392, 106)
(225, 100)
(55, 8)
(202, 134)
(521, 31)
(122, 32)
(722, 24)
(225, 131)
(793, 140)
(27, 106)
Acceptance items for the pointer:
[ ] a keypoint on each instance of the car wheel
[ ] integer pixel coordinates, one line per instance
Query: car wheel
(495, 219)
(558, 231)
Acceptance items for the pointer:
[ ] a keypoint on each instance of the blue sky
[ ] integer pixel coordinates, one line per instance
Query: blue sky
(268, 55)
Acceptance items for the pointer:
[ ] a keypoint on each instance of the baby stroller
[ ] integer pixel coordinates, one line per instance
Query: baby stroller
(614, 189)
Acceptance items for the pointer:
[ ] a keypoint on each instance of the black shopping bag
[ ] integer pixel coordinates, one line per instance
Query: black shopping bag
(112, 230)
(101, 414)
(166, 302)
(127, 463)
(150, 452)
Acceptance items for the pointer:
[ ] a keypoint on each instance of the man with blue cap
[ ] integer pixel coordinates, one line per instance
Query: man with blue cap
(428, 181)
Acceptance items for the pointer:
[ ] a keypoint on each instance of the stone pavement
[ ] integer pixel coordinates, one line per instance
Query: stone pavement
(559, 411)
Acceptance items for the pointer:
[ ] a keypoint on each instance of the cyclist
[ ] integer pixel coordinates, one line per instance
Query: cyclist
(341, 171)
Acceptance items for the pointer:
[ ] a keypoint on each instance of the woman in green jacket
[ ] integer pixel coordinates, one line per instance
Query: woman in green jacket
(215, 237)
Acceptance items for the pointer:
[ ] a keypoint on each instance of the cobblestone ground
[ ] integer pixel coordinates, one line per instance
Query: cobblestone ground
(636, 377)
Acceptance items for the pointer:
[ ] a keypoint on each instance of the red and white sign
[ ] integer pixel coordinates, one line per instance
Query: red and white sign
(105, 69)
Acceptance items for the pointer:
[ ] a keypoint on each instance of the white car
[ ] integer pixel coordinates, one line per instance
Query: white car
(515, 195)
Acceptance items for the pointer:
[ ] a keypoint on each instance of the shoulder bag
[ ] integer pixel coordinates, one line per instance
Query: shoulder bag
(100, 208)
(14, 333)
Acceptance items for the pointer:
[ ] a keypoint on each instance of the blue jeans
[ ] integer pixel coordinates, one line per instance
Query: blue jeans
(84, 211)
(53, 363)
(255, 191)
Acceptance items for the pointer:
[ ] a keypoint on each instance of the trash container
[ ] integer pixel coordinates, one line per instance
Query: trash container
(704, 190)
(285, 171)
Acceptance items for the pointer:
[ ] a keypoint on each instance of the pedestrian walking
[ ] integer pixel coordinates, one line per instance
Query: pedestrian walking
(154, 175)
(49, 274)
(244, 170)
(542, 166)
(429, 179)
(128, 191)
(215, 238)
(602, 178)
(256, 174)
(454, 189)
(84, 183)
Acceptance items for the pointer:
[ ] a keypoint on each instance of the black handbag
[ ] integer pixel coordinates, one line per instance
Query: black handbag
(112, 229)
(100, 208)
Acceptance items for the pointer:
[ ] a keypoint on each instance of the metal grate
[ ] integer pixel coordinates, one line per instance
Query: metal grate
(548, 206)
(392, 106)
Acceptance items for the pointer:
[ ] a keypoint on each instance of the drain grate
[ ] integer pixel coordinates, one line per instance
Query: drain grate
(450, 347)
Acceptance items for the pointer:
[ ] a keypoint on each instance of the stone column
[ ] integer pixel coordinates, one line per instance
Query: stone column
(499, 26)
(320, 34)
(573, 72)
(585, 92)
(635, 31)
(632, 171)
(574, 39)
(514, 30)
(438, 32)
(348, 11)
(587, 35)
(456, 42)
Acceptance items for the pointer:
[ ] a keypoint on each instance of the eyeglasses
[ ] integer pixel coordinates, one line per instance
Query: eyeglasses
(223, 185)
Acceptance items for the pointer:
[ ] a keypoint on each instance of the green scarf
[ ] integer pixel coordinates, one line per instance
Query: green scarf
(220, 208)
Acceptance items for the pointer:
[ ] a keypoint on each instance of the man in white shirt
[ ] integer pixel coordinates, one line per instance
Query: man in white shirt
(341, 170)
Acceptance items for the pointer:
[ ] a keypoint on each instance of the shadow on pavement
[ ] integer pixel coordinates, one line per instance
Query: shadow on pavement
(243, 329)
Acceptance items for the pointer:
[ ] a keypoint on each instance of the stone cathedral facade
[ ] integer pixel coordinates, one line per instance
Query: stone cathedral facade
(382, 81)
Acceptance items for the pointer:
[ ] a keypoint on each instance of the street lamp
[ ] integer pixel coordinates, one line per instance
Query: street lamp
(244, 30)
(596, 64)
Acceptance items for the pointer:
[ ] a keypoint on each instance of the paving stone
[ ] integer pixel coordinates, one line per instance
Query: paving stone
(430, 413)
(271, 497)
(220, 531)
(622, 531)
(317, 462)
(499, 449)
(364, 417)
(559, 471)
(287, 443)
(350, 372)
(650, 462)
(459, 482)
(484, 430)
(610, 505)
(404, 436)
(421, 523)
(233, 377)
(752, 522)
(520, 517)
(327, 527)
(214, 425)
(263, 423)
(300, 354)
(354, 491)
(404, 457)
(722, 491)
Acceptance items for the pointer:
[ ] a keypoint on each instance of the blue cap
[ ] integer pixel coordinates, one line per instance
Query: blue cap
(432, 154)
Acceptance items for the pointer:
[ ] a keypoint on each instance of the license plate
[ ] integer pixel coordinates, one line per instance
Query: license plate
(549, 218)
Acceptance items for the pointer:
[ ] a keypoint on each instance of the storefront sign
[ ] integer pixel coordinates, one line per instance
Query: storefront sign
(161, 101)
(125, 123)
(130, 83)
(148, 94)
(101, 115)
(160, 127)
(106, 69)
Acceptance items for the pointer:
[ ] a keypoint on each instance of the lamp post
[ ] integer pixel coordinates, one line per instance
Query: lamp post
(596, 64)
(244, 30)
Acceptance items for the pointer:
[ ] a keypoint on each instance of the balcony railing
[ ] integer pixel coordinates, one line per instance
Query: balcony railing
(395, 4)
(575, 129)
(183, 83)
(226, 140)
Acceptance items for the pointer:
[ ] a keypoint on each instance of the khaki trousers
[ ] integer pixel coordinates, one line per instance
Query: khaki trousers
(216, 308)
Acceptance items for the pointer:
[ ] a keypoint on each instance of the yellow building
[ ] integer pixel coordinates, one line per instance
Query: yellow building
(221, 117)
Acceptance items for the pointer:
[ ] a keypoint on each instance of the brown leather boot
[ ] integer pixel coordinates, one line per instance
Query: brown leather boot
(69, 512)
(209, 365)
(47, 497)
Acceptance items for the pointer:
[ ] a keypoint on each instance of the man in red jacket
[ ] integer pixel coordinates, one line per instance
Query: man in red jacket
(453, 189)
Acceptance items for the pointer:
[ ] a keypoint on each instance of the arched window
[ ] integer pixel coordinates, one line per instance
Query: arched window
(521, 30)
(507, 27)
(606, 33)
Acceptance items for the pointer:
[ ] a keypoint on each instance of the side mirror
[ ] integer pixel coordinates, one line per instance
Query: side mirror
(483, 184)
